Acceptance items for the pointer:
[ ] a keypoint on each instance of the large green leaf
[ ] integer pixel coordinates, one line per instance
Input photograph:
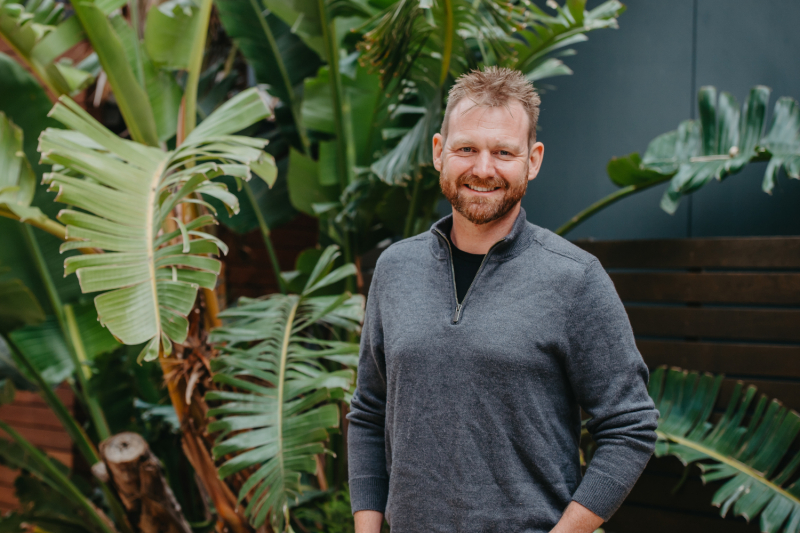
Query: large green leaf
(39, 33)
(169, 33)
(276, 410)
(720, 143)
(162, 90)
(547, 36)
(17, 180)
(131, 96)
(278, 56)
(750, 455)
(125, 196)
(43, 345)
(18, 306)
(305, 187)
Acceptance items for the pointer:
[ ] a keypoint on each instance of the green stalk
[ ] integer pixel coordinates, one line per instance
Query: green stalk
(605, 202)
(345, 154)
(50, 226)
(294, 105)
(80, 360)
(133, 9)
(265, 233)
(412, 207)
(95, 413)
(447, 53)
(195, 66)
(60, 479)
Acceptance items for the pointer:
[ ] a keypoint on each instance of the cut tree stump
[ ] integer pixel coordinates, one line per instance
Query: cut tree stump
(139, 479)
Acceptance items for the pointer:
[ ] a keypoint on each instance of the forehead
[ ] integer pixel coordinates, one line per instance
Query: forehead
(509, 121)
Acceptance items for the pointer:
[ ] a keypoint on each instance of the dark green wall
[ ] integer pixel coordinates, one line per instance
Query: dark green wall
(639, 81)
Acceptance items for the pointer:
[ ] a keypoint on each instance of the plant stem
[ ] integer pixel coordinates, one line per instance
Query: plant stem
(195, 66)
(605, 202)
(293, 104)
(80, 360)
(96, 414)
(61, 480)
(345, 156)
(412, 207)
(265, 233)
(448, 41)
(50, 226)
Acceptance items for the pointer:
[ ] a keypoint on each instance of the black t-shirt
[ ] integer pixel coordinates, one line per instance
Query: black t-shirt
(465, 266)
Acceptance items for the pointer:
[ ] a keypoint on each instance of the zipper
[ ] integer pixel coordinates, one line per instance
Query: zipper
(460, 306)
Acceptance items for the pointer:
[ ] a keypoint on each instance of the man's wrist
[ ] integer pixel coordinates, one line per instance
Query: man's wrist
(368, 521)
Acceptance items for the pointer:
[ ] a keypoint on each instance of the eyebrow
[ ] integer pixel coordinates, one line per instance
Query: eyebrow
(502, 145)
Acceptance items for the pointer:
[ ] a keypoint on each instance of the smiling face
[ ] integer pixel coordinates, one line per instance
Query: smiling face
(485, 162)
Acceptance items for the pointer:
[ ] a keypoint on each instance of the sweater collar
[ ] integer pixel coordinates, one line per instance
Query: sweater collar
(518, 239)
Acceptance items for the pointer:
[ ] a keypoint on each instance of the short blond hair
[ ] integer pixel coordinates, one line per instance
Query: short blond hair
(495, 86)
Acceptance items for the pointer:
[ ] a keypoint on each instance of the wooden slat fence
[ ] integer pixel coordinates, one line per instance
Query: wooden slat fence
(724, 305)
(30, 416)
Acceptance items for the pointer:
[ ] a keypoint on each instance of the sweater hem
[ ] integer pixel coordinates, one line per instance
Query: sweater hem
(369, 494)
(601, 494)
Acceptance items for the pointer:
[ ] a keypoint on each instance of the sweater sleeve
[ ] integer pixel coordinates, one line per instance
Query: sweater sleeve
(366, 446)
(609, 378)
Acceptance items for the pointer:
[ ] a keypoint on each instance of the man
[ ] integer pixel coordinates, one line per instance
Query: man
(483, 339)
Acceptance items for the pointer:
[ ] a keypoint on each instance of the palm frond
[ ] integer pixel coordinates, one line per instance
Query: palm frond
(276, 410)
(747, 456)
(125, 192)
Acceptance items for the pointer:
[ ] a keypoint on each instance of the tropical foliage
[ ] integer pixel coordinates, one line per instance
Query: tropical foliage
(362, 87)
(719, 144)
(751, 457)
(275, 411)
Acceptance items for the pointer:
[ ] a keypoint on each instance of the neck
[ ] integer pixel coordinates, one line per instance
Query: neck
(478, 238)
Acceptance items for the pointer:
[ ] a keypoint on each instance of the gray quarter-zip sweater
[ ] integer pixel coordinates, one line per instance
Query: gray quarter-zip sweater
(466, 418)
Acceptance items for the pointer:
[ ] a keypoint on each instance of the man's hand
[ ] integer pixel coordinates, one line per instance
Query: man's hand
(576, 519)
(368, 521)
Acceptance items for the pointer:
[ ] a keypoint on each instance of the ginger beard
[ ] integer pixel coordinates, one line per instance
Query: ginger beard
(483, 209)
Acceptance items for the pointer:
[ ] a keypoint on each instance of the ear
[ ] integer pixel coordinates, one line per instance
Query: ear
(438, 146)
(535, 160)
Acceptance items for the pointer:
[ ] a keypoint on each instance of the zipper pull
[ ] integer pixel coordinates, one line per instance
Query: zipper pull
(457, 314)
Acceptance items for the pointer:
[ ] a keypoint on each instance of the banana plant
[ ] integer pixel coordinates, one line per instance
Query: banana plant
(39, 32)
(751, 458)
(278, 382)
(723, 141)
(360, 125)
(126, 192)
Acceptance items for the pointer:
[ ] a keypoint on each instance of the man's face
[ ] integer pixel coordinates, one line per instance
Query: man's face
(485, 163)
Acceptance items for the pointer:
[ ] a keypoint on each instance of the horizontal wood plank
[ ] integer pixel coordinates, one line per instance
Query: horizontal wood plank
(748, 252)
(632, 518)
(31, 415)
(777, 325)
(64, 393)
(728, 358)
(712, 287)
(47, 439)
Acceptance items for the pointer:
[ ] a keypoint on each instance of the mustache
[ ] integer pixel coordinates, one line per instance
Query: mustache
(469, 179)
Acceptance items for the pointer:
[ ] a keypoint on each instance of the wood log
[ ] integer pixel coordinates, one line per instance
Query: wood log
(139, 479)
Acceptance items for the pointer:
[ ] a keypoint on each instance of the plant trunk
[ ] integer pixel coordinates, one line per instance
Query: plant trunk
(141, 485)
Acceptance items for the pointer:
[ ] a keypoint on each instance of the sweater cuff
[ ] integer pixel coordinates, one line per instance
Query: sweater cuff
(369, 494)
(600, 493)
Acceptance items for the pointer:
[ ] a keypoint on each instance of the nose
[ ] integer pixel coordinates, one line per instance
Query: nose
(484, 165)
